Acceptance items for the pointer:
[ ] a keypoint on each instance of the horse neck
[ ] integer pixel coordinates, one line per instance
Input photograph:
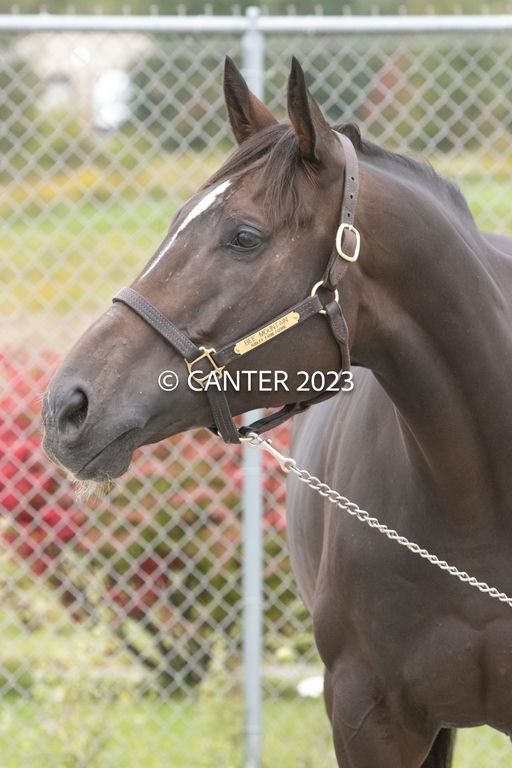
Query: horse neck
(433, 324)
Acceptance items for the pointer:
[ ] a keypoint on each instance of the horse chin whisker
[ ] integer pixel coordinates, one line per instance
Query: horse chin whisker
(85, 490)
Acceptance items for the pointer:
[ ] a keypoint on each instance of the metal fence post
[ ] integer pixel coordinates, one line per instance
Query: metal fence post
(253, 48)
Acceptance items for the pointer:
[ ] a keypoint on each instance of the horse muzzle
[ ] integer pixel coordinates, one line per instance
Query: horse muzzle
(88, 449)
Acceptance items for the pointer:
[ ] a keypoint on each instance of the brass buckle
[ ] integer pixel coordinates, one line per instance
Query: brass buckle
(207, 354)
(339, 238)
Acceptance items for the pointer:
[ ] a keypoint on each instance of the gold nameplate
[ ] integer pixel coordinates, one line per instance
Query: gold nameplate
(267, 333)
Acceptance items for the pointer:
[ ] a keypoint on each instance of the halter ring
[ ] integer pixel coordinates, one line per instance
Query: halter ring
(315, 289)
(339, 237)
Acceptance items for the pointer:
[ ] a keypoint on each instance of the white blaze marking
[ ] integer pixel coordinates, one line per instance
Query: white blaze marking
(206, 202)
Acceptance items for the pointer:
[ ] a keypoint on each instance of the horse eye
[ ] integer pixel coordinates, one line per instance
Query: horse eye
(246, 239)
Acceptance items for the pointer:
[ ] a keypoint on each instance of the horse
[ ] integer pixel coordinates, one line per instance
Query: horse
(418, 297)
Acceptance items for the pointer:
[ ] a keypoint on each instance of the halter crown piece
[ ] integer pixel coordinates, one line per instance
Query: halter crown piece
(346, 251)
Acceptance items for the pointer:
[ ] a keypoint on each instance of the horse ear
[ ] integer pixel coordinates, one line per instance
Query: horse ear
(314, 133)
(247, 114)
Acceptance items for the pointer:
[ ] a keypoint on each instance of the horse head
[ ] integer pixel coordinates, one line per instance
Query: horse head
(247, 247)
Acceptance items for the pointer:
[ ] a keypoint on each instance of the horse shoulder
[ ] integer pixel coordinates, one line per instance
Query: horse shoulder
(347, 442)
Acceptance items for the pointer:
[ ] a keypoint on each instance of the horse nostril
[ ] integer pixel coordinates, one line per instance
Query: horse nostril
(74, 412)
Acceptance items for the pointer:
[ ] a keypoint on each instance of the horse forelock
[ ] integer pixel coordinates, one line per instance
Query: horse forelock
(275, 152)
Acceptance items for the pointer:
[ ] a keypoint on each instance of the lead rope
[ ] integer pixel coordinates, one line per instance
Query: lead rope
(288, 466)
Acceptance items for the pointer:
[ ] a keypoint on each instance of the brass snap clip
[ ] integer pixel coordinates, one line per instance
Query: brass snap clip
(256, 441)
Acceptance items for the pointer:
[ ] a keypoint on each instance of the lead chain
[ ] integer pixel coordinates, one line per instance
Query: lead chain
(288, 466)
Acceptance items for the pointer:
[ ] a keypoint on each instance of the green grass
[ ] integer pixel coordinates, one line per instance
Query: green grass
(88, 246)
(489, 203)
(82, 705)
(202, 734)
(71, 240)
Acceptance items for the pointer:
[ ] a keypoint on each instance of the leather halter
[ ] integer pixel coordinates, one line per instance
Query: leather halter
(346, 250)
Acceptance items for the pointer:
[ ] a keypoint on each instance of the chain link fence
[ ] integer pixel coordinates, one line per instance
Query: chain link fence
(120, 616)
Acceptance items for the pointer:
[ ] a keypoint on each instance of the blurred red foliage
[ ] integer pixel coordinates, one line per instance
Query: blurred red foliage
(185, 484)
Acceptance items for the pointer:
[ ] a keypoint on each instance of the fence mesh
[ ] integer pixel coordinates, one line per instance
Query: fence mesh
(120, 616)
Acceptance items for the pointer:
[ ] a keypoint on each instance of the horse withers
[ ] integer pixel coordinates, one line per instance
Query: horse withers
(423, 441)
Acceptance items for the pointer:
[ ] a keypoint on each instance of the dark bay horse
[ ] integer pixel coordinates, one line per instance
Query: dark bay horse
(424, 440)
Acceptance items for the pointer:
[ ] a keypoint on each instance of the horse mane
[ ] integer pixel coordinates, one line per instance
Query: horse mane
(275, 150)
(417, 167)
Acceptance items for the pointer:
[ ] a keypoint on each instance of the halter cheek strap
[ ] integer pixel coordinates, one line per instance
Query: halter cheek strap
(345, 252)
(348, 239)
(190, 352)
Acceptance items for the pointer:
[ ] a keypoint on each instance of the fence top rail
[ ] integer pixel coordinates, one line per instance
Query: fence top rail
(46, 22)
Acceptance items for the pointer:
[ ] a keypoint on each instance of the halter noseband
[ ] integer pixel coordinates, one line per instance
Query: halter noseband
(346, 251)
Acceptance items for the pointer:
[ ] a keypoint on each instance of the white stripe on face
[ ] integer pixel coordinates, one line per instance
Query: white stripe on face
(206, 202)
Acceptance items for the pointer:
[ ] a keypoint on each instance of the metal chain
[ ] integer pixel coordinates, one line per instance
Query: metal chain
(288, 465)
